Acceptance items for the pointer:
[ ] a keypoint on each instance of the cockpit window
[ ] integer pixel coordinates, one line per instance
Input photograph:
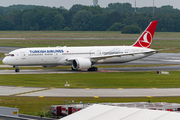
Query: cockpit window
(12, 55)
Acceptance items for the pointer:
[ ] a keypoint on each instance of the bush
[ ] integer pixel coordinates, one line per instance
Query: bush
(131, 29)
(116, 27)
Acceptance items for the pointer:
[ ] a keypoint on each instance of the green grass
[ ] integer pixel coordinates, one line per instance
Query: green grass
(167, 35)
(53, 43)
(33, 105)
(2, 55)
(157, 44)
(95, 80)
(1, 62)
(65, 34)
(80, 34)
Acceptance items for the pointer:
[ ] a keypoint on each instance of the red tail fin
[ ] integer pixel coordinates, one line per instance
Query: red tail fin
(146, 37)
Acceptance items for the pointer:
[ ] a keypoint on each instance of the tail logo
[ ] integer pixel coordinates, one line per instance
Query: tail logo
(145, 41)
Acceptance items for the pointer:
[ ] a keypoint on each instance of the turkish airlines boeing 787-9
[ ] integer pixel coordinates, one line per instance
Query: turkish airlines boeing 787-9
(83, 57)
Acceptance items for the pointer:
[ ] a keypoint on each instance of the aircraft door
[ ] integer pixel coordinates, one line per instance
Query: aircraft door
(55, 55)
(98, 52)
(23, 55)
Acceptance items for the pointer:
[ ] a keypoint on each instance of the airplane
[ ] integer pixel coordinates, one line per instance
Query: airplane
(83, 57)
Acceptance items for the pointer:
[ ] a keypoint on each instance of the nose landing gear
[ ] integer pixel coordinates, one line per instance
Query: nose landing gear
(16, 68)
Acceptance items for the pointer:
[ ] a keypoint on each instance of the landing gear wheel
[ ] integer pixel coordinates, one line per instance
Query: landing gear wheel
(74, 69)
(93, 69)
(17, 70)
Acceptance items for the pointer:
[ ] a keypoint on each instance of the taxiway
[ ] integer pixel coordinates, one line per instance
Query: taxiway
(121, 69)
(67, 92)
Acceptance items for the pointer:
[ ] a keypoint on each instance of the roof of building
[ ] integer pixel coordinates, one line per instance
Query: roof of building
(105, 112)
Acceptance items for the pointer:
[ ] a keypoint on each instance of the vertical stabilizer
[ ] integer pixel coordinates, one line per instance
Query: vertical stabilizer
(146, 37)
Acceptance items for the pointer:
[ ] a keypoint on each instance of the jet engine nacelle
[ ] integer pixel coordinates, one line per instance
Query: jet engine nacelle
(49, 66)
(81, 63)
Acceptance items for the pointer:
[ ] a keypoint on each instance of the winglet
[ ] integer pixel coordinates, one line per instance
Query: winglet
(146, 37)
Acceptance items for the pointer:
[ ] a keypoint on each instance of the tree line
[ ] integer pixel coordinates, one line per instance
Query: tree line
(115, 17)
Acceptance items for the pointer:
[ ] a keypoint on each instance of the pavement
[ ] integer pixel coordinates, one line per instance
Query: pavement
(4, 49)
(69, 92)
(63, 71)
(141, 69)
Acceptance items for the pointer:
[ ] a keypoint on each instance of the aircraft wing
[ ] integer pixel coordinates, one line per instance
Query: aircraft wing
(99, 57)
(119, 55)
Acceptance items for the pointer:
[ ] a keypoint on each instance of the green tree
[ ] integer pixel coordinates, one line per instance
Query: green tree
(113, 17)
(24, 17)
(27, 20)
(48, 20)
(93, 9)
(81, 20)
(59, 22)
(37, 22)
(76, 8)
(119, 7)
(116, 27)
(15, 17)
(168, 9)
(143, 22)
(6, 24)
(98, 23)
(1, 10)
(67, 15)
(131, 29)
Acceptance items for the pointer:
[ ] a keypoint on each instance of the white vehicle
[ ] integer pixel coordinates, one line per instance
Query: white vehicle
(83, 57)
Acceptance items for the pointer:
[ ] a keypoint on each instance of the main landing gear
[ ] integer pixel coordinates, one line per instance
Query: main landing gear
(93, 69)
(16, 68)
(72, 69)
(90, 69)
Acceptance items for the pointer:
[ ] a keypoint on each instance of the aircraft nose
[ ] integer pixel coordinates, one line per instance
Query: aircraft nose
(5, 60)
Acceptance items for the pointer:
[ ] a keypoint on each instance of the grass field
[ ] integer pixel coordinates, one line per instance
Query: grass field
(2, 55)
(80, 34)
(157, 44)
(96, 80)
(1, 62)
(64, 34)
(33, 105)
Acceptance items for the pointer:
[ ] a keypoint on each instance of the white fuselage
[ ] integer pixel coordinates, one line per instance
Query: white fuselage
(53, 56)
